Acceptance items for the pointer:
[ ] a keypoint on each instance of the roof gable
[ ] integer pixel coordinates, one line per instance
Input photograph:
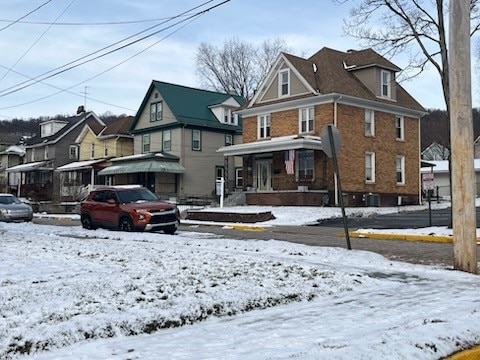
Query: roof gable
(188, 105)
(332, 72)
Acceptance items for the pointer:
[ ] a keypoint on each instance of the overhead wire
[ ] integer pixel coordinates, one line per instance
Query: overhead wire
(104, 23)
(24, 16)
(45, 75)
(191, 18)
(36, 41)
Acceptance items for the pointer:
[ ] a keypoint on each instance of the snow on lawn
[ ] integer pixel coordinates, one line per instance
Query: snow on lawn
(70, 293)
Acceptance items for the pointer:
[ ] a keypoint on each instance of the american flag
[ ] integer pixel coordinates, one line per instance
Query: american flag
(290, 161)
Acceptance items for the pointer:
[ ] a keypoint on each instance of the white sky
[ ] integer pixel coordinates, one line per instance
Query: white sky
(35, 49)
(274, 300)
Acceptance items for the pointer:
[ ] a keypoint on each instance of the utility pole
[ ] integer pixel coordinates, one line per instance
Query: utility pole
(461, 134)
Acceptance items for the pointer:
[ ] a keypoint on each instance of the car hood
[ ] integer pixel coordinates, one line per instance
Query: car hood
(150, 205)
(16, 207)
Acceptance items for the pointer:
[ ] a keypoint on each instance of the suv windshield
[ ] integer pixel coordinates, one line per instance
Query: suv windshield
(136, 195)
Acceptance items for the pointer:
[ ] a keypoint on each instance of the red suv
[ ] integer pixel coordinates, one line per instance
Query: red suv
(128, 208)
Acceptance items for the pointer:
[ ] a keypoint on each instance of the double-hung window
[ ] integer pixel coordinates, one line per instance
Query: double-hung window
(386, 84)
(105, 147)
(196, 140)
(45, 154)
(73, 152)
(263, 126)
(239, 177)
(400, 169)
(145, 143)
(399, 128)
(92, 151)
(284, 82)
(369, 167)
(167, 140)
(306, 120)
(228, 139)
(305, 164)
(369, 122)
(156, 111)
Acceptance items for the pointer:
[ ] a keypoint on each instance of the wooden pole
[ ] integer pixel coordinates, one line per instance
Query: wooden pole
(461, 133)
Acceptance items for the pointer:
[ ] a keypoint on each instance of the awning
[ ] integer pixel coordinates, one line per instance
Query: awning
(275, 144)
(79, 165)
(39, 165)
(150, 165)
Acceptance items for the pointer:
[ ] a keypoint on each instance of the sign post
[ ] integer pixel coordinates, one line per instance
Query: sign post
(428, 185)
(331, 143)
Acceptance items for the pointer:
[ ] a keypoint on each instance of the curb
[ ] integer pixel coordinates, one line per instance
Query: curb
(247, 228)
(470, 354)
(383, 236)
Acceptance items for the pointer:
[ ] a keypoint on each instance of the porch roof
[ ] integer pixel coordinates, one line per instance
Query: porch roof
(39, 165)
(281, 143)
(150, 165)
(79, 165)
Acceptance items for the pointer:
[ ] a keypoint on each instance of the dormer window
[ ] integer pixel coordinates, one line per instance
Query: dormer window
(284, 82)
(386, 84)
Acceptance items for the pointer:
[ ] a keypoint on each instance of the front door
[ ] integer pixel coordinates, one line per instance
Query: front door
(264, 175)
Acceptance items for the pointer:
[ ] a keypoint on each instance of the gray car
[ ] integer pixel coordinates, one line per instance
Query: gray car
(13, 209)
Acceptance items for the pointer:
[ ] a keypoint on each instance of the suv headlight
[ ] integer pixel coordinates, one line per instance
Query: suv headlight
(4, 211)
(141, 214)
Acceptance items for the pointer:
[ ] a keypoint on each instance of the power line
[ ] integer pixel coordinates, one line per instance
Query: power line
(24, 16)
(103, 72)
(106, 23)
(45, 76)
(36, 41)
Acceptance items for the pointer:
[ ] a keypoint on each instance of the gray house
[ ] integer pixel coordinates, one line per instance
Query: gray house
(177, 131)
(53, 147)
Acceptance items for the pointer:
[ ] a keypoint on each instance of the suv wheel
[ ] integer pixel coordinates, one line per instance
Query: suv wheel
(125, 224)
(170, 230)
(87, 222)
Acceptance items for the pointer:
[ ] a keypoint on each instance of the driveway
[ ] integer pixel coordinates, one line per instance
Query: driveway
(402, 220)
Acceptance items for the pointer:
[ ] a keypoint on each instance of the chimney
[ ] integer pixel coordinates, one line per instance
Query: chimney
(80, 109)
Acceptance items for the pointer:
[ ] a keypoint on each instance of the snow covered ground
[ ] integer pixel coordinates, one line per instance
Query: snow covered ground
(68, 293)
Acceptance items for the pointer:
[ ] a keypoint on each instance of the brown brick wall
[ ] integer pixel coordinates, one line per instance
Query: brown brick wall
(384, 145)
(351, 157)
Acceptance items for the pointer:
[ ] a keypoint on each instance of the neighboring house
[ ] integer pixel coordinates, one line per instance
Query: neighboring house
(378, 121)
(52, 149)
(435, 152)
(177, 131)
(93, 148)
(441, 177)
(476, 147)
(11, 156)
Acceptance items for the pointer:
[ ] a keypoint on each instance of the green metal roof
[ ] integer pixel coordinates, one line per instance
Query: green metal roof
(189, 105)
(148, 165)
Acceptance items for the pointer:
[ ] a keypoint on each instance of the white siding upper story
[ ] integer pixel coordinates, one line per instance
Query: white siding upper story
(167, 116)
(51, 127)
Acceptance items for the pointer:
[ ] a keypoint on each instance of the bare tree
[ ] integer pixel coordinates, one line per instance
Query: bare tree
(416, 26)
(238, 66)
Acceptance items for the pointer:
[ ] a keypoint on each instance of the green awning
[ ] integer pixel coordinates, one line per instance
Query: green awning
(149, 165)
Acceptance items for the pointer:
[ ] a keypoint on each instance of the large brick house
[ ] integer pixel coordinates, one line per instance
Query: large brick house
(378, 121)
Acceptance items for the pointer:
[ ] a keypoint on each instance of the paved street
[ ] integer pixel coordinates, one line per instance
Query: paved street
(330, 233)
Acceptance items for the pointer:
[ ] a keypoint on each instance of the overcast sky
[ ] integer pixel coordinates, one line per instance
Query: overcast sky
(117, 82)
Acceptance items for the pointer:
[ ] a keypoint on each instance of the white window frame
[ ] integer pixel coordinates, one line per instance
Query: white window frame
(302, 165)
(45, 152)
(32, 158)
(167, 140)
(156, 111)
(370, 157)
(239, 177)
(145, 143)
(92, 150)
(400, 169)
(386, 83)
(105, 147)
(196, 140)
(73, 152)
(228, 139)
(284, 83)
(263, 128)
(369, 120)
(306, 118)
(399, 127)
